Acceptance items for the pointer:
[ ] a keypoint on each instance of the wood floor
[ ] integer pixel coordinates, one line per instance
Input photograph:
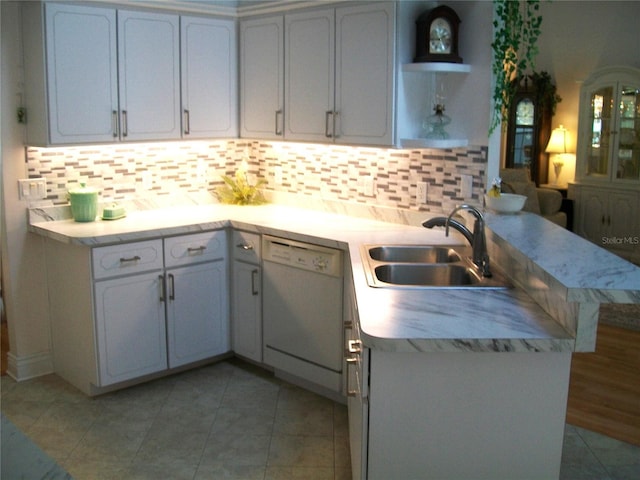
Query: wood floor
(604, 391)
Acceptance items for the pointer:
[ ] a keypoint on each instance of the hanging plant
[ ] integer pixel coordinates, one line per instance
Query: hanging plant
(516, 31)
(546, 91)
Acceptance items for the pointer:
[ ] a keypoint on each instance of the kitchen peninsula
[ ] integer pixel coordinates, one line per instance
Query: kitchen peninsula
(457, 383)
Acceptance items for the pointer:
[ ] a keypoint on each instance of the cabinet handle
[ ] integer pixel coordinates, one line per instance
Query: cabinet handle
(350, 361)
(336, 124)
(328, 116)
(187, 122)
(254, 282)
(162, 287)
(278, 130)
(602, 221)
(114, 121)
(354, 346)
(125, 124)
(245, 246)
(199, 249)
(129, 259)
(172, 287)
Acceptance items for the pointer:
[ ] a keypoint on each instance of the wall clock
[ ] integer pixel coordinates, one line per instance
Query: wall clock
(437, 36)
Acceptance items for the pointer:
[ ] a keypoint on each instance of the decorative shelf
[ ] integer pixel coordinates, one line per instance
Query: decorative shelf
(428, 143)
(436, 67)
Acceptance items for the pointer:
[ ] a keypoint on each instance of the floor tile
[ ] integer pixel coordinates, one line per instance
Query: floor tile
(230, 420)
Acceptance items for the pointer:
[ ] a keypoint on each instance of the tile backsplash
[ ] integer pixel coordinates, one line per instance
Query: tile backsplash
(363, 175)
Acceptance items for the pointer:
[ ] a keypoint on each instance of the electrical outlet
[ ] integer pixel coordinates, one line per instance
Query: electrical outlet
(421, 193)
(466, 186)
(368, 186)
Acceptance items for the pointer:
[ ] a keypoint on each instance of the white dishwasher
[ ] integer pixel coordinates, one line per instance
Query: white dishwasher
(302, 310)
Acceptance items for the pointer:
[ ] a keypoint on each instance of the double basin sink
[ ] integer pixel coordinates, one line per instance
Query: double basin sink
(425, 266)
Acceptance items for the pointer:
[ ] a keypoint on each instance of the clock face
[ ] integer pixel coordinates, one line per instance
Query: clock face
(440, 36)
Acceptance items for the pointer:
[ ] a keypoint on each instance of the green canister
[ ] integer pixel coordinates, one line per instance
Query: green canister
(84, 203)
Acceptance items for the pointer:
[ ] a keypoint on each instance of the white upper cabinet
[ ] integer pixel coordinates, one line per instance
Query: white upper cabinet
(339, 75)
(309, 75)
(149, 75)
(209, 80)
(332, 80)
(262, 78)
(81, 64)
(364, 88)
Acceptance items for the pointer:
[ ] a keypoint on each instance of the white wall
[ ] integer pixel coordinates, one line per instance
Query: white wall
(24, 292)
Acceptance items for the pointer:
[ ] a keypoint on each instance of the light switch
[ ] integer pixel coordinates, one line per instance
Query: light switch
(32, 189)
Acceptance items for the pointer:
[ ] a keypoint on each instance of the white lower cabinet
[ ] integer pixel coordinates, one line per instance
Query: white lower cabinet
(130, 327)
(124, 311)
(247, 296)
(197, 323)
(608, 217)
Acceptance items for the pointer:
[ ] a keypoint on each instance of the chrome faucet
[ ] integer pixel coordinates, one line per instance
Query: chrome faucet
(477, 238)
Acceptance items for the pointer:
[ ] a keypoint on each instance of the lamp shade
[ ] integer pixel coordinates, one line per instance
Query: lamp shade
(558, 141)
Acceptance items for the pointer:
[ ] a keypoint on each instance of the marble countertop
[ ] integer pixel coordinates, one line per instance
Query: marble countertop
(407, 320)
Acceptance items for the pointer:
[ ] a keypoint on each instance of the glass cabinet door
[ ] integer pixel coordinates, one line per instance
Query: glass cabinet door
(628, 139)
(600, 121)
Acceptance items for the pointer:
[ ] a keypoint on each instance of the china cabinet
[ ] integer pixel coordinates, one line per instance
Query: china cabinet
(609, 129)
(607, 184)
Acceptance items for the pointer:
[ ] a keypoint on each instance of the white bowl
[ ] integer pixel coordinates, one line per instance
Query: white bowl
(505, 203)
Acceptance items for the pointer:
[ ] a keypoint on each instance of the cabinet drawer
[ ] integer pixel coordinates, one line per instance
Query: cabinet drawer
(246, 246)
(196, 248)
(127, 258)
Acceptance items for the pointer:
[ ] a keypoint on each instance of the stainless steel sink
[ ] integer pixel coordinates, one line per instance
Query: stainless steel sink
(425, 266)
(414, 254)
(426, 274)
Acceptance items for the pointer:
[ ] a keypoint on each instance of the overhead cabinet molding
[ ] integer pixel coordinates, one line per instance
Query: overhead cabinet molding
(100, 75)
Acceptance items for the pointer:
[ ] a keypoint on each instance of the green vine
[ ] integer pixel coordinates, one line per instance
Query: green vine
(516, 31)
(546, 91)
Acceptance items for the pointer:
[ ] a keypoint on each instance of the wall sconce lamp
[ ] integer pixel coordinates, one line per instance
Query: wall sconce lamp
(558, 146)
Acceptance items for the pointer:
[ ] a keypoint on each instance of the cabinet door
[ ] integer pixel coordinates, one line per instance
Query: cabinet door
(208, 64)
(309, 75)
(623, 208)
(149, 75)
(130, 327)
(262, 78)
(364, 74)
(197, 312)
(593, 215)
(247, 311)
(82, 73)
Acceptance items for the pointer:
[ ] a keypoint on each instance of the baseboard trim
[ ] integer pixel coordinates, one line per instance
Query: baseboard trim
(24, 367)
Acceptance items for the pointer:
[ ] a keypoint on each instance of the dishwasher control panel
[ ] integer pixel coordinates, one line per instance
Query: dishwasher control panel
(305, 256)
